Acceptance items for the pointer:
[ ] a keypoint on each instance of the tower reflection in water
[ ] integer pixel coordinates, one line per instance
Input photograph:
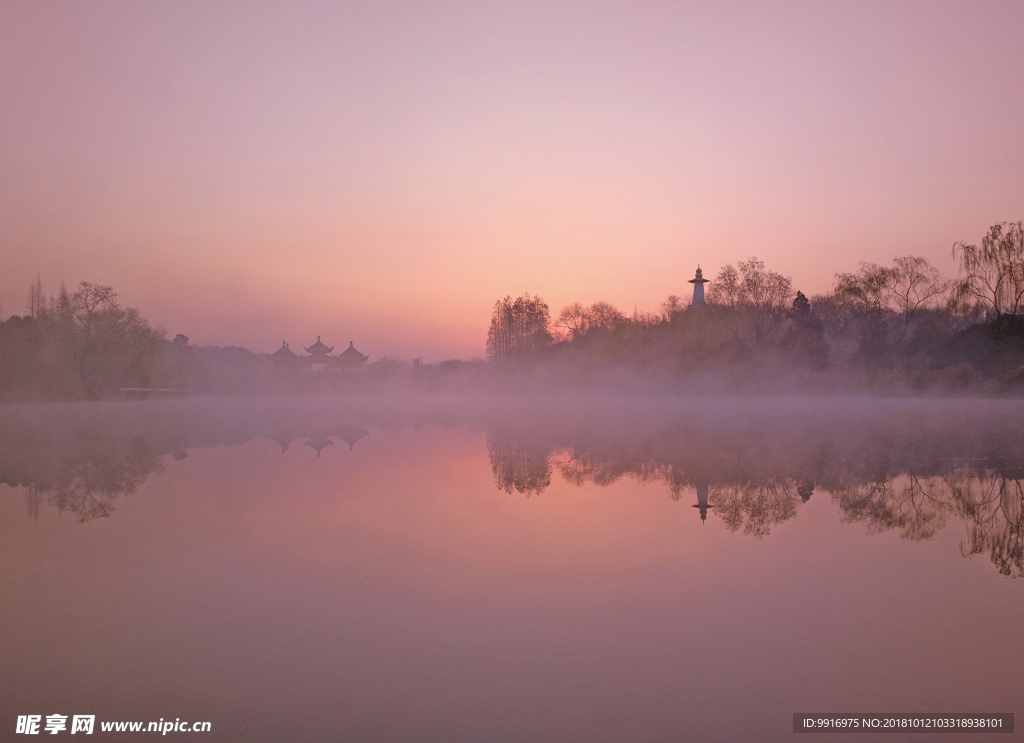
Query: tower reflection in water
(702, 501)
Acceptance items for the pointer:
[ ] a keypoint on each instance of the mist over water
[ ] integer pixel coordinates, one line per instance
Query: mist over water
(511, 567)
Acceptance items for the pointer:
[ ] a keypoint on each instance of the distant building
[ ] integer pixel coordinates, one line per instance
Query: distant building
(318, 358)
(698, 282)
(284, 357)
(350, 359)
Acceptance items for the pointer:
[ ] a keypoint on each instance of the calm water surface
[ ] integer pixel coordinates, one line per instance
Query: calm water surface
(518, 569)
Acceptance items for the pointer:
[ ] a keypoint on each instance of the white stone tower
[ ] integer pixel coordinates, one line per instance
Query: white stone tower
(698, 289)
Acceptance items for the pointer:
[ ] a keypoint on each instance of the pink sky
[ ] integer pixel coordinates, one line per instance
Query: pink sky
(246, 173)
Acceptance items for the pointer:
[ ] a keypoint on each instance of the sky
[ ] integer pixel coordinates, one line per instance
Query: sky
(382, 172)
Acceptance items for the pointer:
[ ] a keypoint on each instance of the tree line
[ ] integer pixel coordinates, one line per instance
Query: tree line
(74, 344)
(903, 322)
(85, 344)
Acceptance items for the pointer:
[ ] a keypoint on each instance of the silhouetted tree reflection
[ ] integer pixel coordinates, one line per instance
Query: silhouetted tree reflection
(755, 505)
(79, 460)
(579, 467)
(751, 503)
(916, 507)
(517, 465)
(993, 507)
(913, 475)
(89, 488)
(85, 477)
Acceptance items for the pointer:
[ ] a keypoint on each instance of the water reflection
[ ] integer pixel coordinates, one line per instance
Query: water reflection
(912, 479)
(87, 481)
(82, 460)
(317, 436)
(911, 470)
(518, 465)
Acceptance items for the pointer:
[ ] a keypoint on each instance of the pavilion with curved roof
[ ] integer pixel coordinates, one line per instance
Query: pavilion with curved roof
(350, 359)
(318, 358)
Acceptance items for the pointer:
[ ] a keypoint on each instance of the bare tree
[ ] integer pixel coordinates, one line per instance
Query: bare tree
(576, 320)
(756, 300)
(36, 299)
(61, 306)
(674, 307)
(992, 276)
(90, 301)
(914, 284)
(725, 290)
(859, 308)
(519, 327)
(604, 316)
(573, 320)
(108, 341)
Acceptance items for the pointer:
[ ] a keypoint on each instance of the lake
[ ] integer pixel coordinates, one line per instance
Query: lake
(512, 568)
